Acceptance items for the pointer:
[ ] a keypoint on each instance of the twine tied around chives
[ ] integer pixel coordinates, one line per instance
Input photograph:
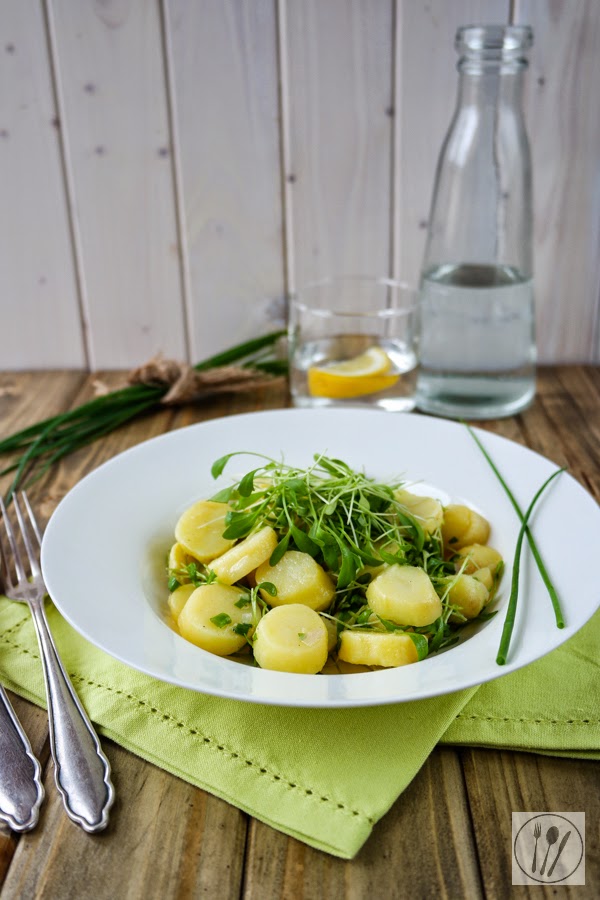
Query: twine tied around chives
(185, 384)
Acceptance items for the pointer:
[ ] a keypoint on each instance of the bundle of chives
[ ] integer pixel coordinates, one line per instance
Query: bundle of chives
(36, 449)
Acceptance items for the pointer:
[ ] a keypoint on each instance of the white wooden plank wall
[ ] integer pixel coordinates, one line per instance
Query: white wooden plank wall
(170, 169)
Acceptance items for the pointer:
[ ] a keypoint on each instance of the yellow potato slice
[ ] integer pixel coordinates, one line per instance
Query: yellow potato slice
(369, 648)
(200, 530)
(405, 596)
(332, 633)
(178, 598)
(178, 557)
(463, 526)
(298, 579)
(291, 638)
(478, 556)
(210, 601)
(428, 512)
(469, 595)
(246, 556)
(485, 576)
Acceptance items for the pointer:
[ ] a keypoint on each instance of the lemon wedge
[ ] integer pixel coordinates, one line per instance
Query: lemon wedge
(356, 377)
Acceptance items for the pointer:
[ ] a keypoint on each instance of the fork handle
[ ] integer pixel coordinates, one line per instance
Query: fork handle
(21, 788)
(82, 771)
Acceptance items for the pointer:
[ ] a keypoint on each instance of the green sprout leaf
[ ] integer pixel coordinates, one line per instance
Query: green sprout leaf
(421, 644)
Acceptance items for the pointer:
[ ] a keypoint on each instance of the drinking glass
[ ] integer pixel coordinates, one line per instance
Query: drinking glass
(352, 342)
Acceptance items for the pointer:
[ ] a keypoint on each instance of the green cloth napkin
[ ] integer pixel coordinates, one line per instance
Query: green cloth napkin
(324, 776)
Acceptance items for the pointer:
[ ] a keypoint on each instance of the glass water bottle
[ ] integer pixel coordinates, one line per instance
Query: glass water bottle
(477, 344)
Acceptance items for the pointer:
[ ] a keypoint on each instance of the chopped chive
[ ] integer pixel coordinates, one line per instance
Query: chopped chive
(221, 621)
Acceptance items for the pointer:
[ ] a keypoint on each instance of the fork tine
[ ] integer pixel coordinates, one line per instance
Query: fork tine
(26, 535)
(32, 518)
(5, 579)
(16, 553)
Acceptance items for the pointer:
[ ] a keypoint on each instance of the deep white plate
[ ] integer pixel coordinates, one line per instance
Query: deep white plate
(104, 549)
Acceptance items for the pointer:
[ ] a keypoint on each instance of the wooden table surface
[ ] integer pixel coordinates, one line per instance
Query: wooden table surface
(448, 835)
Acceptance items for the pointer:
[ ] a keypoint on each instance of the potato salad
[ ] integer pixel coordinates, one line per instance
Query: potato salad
(325, 569)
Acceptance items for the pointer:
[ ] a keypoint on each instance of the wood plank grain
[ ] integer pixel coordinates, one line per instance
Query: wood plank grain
(223, 75)
(39, 306)
(339, 120)
(426, 85)
(165, 839)
(565, 427)
(560, 91)
(430, 820)
(28, 397)
(500, 783)
(113, 105)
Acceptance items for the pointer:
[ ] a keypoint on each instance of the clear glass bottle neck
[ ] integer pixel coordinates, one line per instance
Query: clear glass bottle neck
(486, 83)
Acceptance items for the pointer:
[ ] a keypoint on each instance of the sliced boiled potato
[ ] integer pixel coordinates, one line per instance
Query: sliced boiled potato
(291, 638)
(179, 558)
(200, 530)
(477, 556)
(246, 556)
(209, 602)
(178, 598)
(485, 576)
(428, 512)
(298, 579)
(469, 595)
(370, 648)
(405, 596)
(463, 526)
(332, 633)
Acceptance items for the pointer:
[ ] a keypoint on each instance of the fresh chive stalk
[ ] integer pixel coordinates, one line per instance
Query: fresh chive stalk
(509, 621)
(36, 449)
(558, 614)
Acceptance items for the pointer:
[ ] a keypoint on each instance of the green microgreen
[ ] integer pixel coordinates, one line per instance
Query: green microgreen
(191, 573)
(340, 517)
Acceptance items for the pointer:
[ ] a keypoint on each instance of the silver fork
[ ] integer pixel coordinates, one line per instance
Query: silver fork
(21, 788)
(81, 769)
